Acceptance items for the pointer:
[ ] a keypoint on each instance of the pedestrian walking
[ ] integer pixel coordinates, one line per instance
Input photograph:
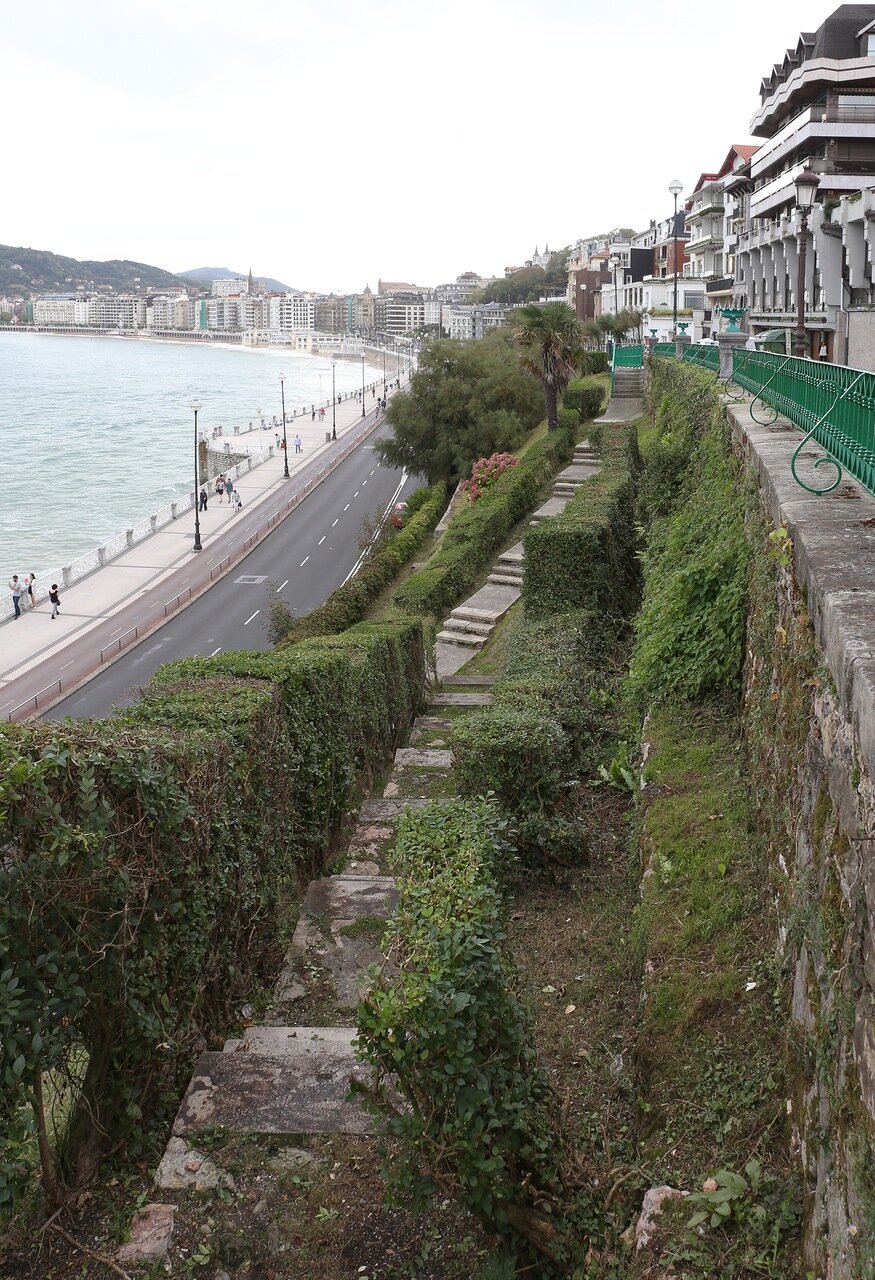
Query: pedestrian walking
(229, 489)
(313, 414)
(277, 440)
(55, 599)
(16, 587)
(28, 583)
(298, 445)
(238, 501)
(823, 353)
(220, 487)
(203, 499)
(321, 413)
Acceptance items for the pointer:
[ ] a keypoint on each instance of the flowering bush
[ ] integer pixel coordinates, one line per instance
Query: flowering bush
(486, 471)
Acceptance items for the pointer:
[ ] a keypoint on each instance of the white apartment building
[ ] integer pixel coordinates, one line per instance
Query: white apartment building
(60, 310)
(471, 322)
(291, 312)
(232, 285)
(117, 311)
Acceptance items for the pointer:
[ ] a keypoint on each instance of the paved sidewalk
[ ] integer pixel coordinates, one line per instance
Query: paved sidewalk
(119, 603)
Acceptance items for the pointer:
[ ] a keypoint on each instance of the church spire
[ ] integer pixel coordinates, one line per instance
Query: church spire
(249, 284)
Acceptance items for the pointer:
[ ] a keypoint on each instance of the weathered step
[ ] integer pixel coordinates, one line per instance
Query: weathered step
(462, 700)
(471, 681)
(488, 604)
(297, 1082)
(378, 810)
(462, 613)
(465, 624)
(564, 490)
(466, 639)
(350, 898)
(506, 579)
(513, 555)
(423, 758)
(577, 473)
(552, 507)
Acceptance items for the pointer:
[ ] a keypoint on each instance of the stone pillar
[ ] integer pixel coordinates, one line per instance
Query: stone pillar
(129, 537)
(153, 523)
(681, 342)
(727, 344)
(236, 428)
(65, 575)
(101, 556)
(174, 510)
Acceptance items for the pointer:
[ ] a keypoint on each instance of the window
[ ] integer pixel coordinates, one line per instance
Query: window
(869, 46)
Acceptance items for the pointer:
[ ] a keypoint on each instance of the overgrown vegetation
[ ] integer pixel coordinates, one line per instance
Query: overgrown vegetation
(550, 344)
(143, 861)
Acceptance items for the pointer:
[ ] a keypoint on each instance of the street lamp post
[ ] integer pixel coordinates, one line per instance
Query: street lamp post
(333, 404)
(285, 440)
(363, 384)
(384, 368)
(196, 405)
(675, 187)
(806, 189)
(614, 263)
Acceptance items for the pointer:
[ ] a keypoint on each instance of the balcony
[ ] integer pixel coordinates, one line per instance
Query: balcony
(713, 204)
(712, 240)
(720, 285)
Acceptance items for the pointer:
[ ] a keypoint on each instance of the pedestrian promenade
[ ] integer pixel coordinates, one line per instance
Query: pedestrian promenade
(43, 659)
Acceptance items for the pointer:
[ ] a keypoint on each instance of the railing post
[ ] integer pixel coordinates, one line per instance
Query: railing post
(681, 342)
(727, 344)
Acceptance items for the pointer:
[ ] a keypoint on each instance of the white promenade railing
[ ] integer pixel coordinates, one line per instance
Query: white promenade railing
(119, 543)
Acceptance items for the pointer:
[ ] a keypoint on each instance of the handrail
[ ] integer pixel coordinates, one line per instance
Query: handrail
(827, 457)
(759, 394)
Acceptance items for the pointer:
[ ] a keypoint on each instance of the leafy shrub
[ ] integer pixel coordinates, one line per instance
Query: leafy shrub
(594, 362)
(143, 858)
(568, 419)
(479, 529)
(523, 763)
(586, 396)
(349, 603)
(585, 556)
(444, 1028)
(486, 471)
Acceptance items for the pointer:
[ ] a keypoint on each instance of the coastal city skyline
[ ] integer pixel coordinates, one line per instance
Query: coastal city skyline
(222, 143)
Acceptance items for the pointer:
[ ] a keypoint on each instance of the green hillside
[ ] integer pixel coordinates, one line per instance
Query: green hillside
(36, 270)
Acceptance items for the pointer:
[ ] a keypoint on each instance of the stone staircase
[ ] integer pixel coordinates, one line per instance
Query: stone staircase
(470, 624)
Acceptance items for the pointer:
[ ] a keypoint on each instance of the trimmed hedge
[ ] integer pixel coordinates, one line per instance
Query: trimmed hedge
(444, 1027)
(586, 396)
(594, 362)
(479, 528)
(349, 603)
(143, 860)
(545, 729)
(585, 557)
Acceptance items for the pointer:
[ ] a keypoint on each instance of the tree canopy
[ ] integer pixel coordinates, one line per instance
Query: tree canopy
(466, 401)
(550, 341)
(530, 282)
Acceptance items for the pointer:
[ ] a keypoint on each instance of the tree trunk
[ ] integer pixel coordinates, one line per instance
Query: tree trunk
(552, 413)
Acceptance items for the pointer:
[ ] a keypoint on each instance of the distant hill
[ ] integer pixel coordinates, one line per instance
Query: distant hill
(204, 276)
(39, 271)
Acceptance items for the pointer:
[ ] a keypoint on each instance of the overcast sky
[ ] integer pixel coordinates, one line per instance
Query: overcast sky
(331, 143)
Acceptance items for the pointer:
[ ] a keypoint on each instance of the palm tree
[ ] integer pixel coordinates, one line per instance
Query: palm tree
(551, 343)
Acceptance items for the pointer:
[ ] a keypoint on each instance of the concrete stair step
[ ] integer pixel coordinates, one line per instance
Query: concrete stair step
(462, 700)
(465, 624)
(466, 639)
(289, 1080)
(379, 810)
(506, 579)
(482, 682)
(350, 898)
(423, 758)
(465, 614)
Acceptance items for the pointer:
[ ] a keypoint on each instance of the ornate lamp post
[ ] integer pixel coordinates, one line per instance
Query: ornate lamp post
(675, 187)
(196, 406)
(806, 189)
(333, 404)
(285, 440)
(363, 384)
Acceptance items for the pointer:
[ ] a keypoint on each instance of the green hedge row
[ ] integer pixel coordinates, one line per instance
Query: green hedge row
(349, 603)
(584, 558)
(545, 729)
(143, 859)
(480, 528)
(594, 362)
(586, 396)
(444, 1028)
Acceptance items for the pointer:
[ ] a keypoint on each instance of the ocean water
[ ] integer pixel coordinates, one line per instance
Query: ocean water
(97, 432)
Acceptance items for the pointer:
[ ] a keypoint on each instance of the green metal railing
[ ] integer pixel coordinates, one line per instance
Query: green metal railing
(833, 405)
(631, 357)
(663, 349)
(702, 357)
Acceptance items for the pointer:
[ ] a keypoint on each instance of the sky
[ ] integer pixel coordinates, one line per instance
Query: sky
(333, 143)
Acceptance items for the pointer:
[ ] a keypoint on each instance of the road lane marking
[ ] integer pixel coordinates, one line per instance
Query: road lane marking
(321, 540)
(304, 561)
(334, 522)
(364, 482)
(346, 508)
(357, 492)
(373, 471)
(248, 620)
(215, 651)
(355, 568)
(280, 587)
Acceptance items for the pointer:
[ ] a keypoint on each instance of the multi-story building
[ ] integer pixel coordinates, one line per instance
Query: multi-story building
(116, 311)
(60, 309)
(470, 322)
(360, 312)
(712, 224)
(330, 314)
(817, 110)
(399, 312)
(290, 312)
(231, 285)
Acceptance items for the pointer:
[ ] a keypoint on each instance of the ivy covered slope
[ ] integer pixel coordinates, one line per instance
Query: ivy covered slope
(143, 861)
(712, 1051)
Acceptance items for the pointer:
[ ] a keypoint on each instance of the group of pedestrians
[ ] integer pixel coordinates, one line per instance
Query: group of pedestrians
(23, 592)
(224, 485)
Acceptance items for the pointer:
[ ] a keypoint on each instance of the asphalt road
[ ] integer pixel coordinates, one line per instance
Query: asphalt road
(306, 557)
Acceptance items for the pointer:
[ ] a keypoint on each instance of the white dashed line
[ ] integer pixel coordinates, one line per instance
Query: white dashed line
(215, 651)
(284, 584)
(249, 619)
(304, 561)
(346, 508)
(373, 471)
(334, 522)
(357, 492)
(321, 540)
(364, 482)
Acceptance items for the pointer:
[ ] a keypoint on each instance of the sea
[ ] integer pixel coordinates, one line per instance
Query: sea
(96, 433)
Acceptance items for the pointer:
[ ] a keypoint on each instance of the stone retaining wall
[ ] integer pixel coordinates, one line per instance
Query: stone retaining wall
(810, 719)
